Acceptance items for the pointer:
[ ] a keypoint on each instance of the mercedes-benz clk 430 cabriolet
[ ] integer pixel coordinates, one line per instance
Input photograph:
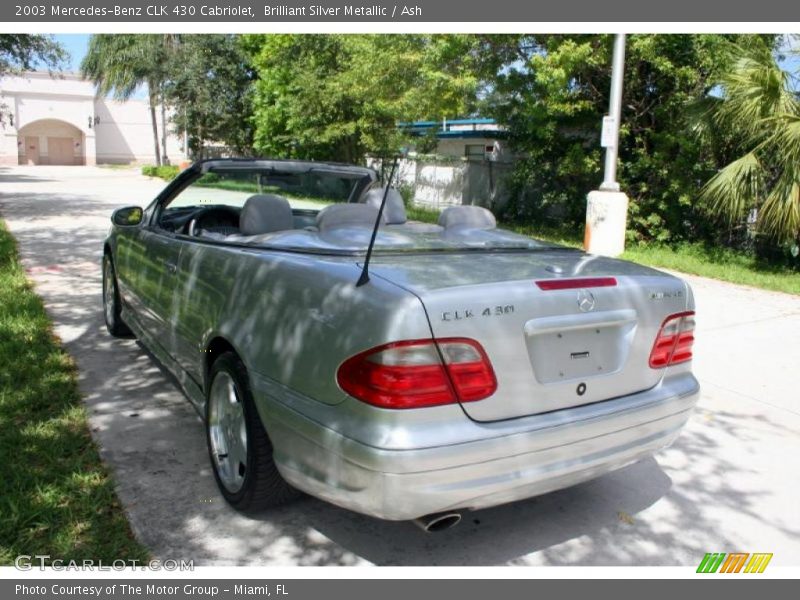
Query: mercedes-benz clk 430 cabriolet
(466, 367)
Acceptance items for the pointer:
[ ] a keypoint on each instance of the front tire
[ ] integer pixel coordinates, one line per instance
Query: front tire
(112, 308)
(238, 445)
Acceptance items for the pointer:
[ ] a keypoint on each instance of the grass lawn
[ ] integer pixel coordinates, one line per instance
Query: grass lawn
(57, 497)
(117, 167)
(717, 263)
(694, 259)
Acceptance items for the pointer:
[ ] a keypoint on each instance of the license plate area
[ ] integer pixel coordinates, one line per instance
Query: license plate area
(578, 347)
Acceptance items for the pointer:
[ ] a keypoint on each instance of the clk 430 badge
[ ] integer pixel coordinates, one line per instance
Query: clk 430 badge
(662, 294)
(469, 313)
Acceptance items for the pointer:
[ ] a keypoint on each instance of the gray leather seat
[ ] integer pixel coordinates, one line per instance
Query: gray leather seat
(395, 209)
(346, 215)
(467, 217)
(265, 213)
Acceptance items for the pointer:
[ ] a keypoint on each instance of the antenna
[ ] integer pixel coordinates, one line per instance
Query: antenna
(364, 278)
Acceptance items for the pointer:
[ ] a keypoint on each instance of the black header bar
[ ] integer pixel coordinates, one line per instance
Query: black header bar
(443, 11)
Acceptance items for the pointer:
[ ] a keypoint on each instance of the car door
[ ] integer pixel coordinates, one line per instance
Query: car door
(206, 277)
(159, 281)
(147, 260)
(129, 262)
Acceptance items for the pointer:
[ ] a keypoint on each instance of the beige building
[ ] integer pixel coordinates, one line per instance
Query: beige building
(59, 120)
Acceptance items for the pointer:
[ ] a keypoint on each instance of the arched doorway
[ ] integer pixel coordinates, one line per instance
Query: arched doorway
(50, 142)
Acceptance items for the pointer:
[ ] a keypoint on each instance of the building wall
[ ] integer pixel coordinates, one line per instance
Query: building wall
(124, 133)
(438, 184)
(104, 130)
(34, 101)
(457, 147)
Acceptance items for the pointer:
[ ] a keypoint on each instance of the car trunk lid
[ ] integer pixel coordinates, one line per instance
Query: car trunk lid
(560, 328)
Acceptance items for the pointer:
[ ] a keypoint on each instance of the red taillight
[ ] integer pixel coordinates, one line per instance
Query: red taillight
(571, 284)
(417, 373)
(674, 342)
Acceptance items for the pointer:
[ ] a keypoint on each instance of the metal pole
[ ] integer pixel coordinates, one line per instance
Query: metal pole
(615, 112)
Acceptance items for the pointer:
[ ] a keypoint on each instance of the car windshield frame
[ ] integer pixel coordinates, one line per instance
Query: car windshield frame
(362, 176)
(495, 240)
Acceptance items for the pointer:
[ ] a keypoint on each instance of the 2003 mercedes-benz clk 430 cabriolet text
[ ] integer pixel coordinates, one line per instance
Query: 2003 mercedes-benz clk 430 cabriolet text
(400, 369)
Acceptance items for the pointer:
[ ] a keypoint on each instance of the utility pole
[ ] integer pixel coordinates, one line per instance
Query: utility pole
(607, 207)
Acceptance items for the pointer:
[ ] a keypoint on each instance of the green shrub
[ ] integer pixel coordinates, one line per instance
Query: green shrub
(208, 179)
(407, 193)
(165, 172)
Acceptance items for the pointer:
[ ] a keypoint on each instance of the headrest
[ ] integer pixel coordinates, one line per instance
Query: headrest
(468, 217)
(265, 213)
(395, 210)
(346, 215)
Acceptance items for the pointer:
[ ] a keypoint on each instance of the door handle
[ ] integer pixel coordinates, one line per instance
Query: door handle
(172, 267)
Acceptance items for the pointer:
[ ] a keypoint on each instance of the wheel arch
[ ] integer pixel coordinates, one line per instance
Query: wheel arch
(216, 346)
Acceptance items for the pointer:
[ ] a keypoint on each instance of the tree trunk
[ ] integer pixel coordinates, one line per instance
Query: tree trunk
(155, 124)
(164, 131)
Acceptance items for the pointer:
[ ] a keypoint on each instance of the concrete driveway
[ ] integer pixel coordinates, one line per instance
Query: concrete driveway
(730, 483)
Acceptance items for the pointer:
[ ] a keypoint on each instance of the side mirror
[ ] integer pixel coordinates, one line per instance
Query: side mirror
(127, 216)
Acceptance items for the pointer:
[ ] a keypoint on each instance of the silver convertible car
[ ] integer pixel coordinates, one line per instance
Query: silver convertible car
(399, 369)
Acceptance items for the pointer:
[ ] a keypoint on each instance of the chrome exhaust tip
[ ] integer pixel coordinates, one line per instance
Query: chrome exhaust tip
(438, 522)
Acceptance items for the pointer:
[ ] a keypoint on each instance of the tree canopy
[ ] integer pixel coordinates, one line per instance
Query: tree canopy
(710, 123)
(341, 96)
(25, 52)
(205, 79)
(552, 91)
(756, 116)
(121, 63)
(209, 85)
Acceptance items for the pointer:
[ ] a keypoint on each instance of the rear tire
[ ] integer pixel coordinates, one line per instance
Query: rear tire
(112, 308)
(239, 447)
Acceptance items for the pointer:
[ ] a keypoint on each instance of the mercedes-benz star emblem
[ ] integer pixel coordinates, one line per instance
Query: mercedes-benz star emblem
(585, 300)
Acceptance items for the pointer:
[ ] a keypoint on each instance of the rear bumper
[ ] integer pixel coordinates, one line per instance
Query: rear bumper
(497, 463)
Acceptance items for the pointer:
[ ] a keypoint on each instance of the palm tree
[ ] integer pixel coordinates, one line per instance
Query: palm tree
(119, 64)
(759, 113)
